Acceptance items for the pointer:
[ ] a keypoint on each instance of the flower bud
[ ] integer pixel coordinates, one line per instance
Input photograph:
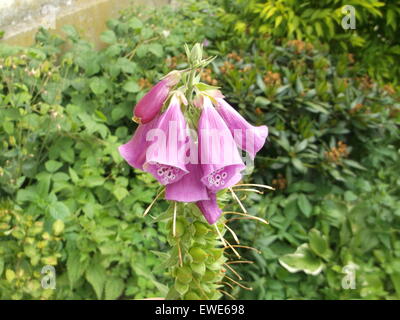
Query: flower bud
(184, 274)
(198, 254)
(150, 105)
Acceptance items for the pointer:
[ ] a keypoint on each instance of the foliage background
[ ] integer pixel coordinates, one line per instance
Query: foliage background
(68, 199)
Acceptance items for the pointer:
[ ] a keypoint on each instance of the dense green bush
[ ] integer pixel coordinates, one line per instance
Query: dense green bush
(374, 42)
(334, 157)
(63, 116)
(68, 199)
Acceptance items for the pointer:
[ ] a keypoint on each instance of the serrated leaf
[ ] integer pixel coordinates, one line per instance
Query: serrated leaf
(59, 210)
(74, 267)
(113, 288)
(96, 276)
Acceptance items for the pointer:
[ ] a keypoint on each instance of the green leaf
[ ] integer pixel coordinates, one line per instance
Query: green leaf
(108, 37)
(319, 244)
(1, 265)
(135, 23)
(304, 205)
(120, 193)
(126, 65)
(52, 166)
(94, 181)
(28, 194)
(350, 196)
(96, 276)
(146, 274)
(302, 259)
(113, 288)
(299, 165)
(182, 288)
(59, 210)
(74, 267)
(98, 85)
(131, 86)
(156, 49)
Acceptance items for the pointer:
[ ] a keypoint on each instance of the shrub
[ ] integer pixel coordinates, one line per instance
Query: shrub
(374, 41)
(68, 199)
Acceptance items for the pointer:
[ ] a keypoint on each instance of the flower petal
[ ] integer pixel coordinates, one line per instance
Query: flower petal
(165, 157)
(249, 138)
(134, 152)
(151, 103)
(189, 188)
(219, 156)
(209, 208)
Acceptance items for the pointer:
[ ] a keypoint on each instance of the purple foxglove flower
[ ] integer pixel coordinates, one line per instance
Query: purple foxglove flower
(210, 209)
(165, 156)
(189, 188)
(134, 152)
(151, 103)
(247, 137)
(219, 156)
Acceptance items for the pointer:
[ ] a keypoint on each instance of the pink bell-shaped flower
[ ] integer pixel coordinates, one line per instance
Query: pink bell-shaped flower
(151, 103)
(209, 208)
(165, 156)
(219, 156)
(249, 138)
(134, 152)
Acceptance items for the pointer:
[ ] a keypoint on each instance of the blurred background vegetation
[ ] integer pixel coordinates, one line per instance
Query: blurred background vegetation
(329, 96)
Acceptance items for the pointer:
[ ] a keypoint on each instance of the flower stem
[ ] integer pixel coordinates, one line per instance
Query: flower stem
(196, 257)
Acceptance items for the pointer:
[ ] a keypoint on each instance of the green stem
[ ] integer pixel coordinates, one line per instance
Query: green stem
(196, 257)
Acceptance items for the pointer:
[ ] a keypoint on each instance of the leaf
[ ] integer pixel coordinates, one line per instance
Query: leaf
(108, 37)
(59, 210)
(302, 260)
(304, 205)
(135, 23)
(94, 181)
(182, 288)
(27, 194)
(146, 274)
(113, 288)
(262, 102)
(96, 276)
(74, 267)
(1, 265)
(299, 165)
(73, 175)
(302, 186)
(350, 196)
(156, 49)
(319, 244)
(98, 85)
(126, 65)
(131, 86)
(120, 193)
(52, 166)
(316, 108)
